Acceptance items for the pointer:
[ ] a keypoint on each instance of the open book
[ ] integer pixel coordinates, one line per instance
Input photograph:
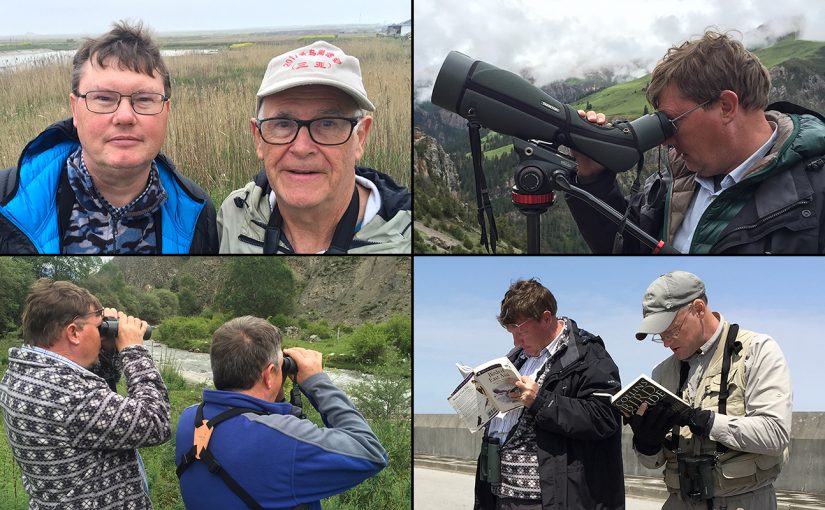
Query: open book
(485, 391)
(645, 389)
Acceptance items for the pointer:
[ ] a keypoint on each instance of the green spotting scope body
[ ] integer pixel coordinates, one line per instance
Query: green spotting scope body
(506, 103)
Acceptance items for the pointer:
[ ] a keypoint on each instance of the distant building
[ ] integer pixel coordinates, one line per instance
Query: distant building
(402, 30)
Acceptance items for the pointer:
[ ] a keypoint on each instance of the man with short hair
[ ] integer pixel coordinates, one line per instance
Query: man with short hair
(310, 132)
(243, 447)
(727, 449)
(739, 179)
(75, 439)
(97, 183)
(563, 449)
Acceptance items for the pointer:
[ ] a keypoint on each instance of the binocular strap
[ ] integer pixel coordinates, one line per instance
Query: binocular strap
(203, 431)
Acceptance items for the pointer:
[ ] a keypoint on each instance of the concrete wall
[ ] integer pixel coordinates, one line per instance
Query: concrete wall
(444, 435)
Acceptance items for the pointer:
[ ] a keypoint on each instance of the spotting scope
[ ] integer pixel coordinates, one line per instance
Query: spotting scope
(508, 104)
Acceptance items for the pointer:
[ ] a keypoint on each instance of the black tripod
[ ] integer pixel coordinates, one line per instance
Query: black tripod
(542, 169)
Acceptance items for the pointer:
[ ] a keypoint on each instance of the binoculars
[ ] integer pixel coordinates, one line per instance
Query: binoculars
(490, 461)
(696, 476)
(108, 328)
(290, 368)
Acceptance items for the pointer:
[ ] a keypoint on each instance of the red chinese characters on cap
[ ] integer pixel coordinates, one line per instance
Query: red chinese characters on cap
(296, 62)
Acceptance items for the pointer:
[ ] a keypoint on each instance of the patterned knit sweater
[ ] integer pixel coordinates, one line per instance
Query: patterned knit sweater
(74, 438)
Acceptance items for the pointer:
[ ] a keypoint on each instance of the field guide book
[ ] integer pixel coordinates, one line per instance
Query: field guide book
(486, 390)
(645, 389)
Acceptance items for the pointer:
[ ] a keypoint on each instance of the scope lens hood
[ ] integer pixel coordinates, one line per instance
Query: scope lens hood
(450, 83)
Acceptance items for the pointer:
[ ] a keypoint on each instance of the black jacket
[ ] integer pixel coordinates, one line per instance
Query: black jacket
(36, 201)
(578, 435)
(778, 208)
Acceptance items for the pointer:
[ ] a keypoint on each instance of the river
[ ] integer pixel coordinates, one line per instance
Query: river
(9, 60)
(195, 366)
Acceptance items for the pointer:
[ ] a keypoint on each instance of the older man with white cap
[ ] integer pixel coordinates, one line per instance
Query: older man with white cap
(729, 447)
(310, 131)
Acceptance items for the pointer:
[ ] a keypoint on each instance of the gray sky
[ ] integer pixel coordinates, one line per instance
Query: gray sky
(47, 17)
(556, 39)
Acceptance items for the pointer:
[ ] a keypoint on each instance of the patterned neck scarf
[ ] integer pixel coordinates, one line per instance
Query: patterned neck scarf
(96, 226)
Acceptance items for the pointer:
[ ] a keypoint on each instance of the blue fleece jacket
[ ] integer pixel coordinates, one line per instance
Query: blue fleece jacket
(280, 460)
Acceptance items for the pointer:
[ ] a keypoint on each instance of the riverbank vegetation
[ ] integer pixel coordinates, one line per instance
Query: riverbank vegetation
(389, 490)
(186, 310)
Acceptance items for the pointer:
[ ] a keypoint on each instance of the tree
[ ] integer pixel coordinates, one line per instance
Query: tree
(168, 302)
(646, 110)
(399, 333)
(188, 303)
(16, 277)
(73, 269)
(368, 344)
(260, 286)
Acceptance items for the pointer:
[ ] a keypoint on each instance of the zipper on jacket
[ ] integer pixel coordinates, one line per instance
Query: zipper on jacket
(772, 215)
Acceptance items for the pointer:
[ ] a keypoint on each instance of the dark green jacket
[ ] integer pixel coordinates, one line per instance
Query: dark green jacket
(776, 208)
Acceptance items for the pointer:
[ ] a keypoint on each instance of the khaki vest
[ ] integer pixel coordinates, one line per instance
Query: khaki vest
(734, 470)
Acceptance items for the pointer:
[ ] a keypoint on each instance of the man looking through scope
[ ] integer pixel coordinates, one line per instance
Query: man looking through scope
(506, 103)
(739, 179)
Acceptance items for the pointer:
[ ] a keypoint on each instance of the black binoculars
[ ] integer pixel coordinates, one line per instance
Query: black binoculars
(290, 368)
(490, 461)
(108, 328)
(696, 476)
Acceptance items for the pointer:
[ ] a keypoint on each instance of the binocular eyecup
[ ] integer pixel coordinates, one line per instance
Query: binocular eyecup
(290, 368)
(108, 328)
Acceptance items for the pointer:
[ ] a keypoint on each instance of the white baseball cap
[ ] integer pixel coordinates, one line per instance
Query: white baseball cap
(320, 63)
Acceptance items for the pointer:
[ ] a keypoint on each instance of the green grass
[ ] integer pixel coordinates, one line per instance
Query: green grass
(628, 100)
(390, 489)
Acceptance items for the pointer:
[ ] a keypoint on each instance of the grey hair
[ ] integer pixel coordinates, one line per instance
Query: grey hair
(240, 349)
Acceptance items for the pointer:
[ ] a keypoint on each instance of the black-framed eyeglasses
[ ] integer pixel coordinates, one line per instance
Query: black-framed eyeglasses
(96, 313)
(108, 101)
(323, 131)
(685, 114)
(660, 338)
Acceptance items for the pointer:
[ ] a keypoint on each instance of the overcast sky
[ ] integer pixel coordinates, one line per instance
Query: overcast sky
(556, 39)
(456, 300)
(91, 17)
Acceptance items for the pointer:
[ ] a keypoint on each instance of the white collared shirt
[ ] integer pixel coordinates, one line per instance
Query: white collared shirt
(501, 424)
(706, 194)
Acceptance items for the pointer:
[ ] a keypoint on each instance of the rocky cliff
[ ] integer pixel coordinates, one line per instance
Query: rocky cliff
(338, 289)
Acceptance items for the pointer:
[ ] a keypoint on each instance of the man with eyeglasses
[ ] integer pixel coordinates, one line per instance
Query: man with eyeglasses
(97, 183)
(742, 176)
(729, 447)
(310, 132)
(74, 438)
(563, 449)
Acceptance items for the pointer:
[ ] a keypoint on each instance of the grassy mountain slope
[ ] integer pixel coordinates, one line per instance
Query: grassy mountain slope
(628, 99)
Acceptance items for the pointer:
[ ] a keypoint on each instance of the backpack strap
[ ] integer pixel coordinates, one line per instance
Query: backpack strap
(206, 455)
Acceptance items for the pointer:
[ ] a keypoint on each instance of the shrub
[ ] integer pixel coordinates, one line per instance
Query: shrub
(368, 343)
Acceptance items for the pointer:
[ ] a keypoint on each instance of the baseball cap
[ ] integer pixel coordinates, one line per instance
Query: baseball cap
(663, 299)
(320, 63)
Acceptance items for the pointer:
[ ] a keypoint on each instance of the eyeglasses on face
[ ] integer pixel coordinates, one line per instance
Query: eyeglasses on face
(664, 335)
(685, 114)
(107, 101)
(516, 328)
(96, 313)
(323, 131)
